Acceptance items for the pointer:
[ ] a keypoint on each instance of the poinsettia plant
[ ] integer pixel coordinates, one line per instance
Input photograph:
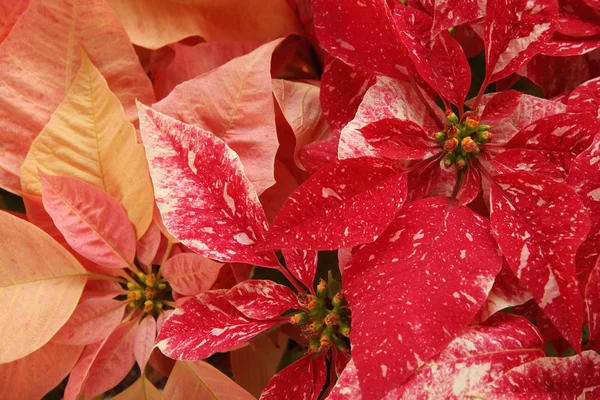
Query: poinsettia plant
(299, 199)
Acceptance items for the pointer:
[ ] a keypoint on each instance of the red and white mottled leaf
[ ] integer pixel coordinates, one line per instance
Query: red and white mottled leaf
(315, 156)
(451, 258)
(200, 380)
(506, 292)
(302, 264)
(234, 102)
(144, 341)
(113, 361)
(346, 203)
(347, 386)
(450, 13)
(262, 299)
(584, 177)
(592, 303)
(147, 246)
(423, 180)
(549, 73)
(362, 34)
(569, 47)
(299, 103)
(190, 274)
(93, 223)
(192, 61)
(33, 83)
(470, 187)
(551, 164)
(440, 61)
(204, 198)
(549, 378)
(303, 379)
(342, 90)
(559, 132)
(93, 320)
(40, 284)
(398, 139)
(205, 325)
(388, 98)
(481, 354)
(33, 376)
(515, 31)
(539, 224)
(509, 112)
(585, 98)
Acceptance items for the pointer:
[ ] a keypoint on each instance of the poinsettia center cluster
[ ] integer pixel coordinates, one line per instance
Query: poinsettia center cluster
(326, 320)
(148, 292)
(462, 139)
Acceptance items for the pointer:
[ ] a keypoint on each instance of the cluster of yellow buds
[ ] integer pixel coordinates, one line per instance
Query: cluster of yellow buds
(147, 293)
(461, 139)
(326, 321)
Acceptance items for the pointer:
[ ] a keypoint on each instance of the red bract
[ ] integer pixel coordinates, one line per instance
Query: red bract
(428, 275)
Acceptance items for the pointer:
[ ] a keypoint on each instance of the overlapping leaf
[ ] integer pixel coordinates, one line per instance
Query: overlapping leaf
(33, 82)
(39, 287)
(88, 137)
(234, 102)
(539, 224)
(424, 279)
(200, 380)
(93, 223)
(190, 274)
(346, 203)
(207, 324)
(205, 199)
(303, 379)
(156, 23)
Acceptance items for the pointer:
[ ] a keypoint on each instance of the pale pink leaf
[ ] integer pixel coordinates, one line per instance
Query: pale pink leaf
(481, 354)
(147, 246)
(11, 10)
(205, 199)
(346, 203)
(40, 286)
(33, 376)
(80, 371)
(33, 83)
(539, 224)
(93, 223)
(299, 103)
(93, 320)
(100, 288)
(234, 102)
(190, 274)
(113, 361)
(515, 31)
(192, 61)
(205, 325)
(303, 379)
(200, 380)
(451, 258)
(262, 299)
(549, 378)
(144, 341)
